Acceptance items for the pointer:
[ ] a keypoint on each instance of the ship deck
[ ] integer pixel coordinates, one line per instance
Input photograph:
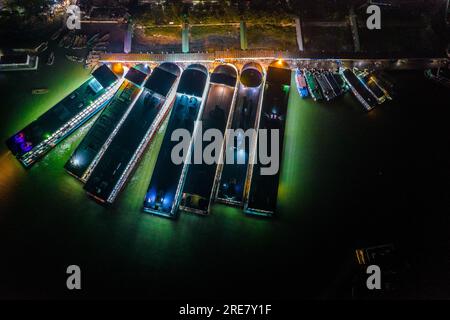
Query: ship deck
(233, 176)
(201, 177)
(263, 192)
(121, 155)
(163, 193)
(360, 89)
(105, 126)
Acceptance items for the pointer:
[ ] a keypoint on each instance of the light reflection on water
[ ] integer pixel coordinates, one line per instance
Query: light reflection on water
(11, 175)
(331, 150)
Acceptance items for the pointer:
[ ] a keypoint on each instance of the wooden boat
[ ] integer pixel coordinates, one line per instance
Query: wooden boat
(51, 58)
(39, 91)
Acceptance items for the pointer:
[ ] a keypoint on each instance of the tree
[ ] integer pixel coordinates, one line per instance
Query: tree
(31, 7)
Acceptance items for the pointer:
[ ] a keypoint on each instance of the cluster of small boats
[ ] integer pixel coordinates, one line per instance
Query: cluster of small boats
(73, 41)
(98, 43)
(81, 41)
(74, 58)
(369, 88)
(95, 44)
(92, 59)
(319, 84)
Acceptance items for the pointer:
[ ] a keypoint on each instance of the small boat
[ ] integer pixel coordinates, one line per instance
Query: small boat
(75, 41)
(80, 42)
(325, 86)
(314, 89)
(69, 42)
(302, 87)
(102, 44)
(105, 37)
(440, 76)
(333, 83)
(42, 47)
(57, 34)
(51, 58)
(341, 83)
(93, 38)
(39, 91)
(63, 40)
(74, 58)
(99, 48)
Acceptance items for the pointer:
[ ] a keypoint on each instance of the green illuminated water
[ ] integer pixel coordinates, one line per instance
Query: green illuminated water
(347, 180)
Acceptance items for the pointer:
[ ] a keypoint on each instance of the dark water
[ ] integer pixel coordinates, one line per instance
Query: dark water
(349, 179)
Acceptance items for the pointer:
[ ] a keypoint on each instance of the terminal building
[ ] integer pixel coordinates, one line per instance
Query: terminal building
(201, 178)
(241, 148)
(261, 198)
(139, 127)
(105, 127)
(164, 192)
(35, 140)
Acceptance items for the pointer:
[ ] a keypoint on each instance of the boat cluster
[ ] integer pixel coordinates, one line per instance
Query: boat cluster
(73, 40)
(319, 84)
(370, 88)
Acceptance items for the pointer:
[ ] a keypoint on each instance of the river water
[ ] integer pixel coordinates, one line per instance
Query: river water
(349, 179)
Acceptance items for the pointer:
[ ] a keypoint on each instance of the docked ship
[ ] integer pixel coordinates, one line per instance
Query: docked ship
(374, 88)
(93, 39)
(313, 86)
(359, 89)
(302, 86)
(42, 47)
(57, 34)
(385, 83)
(105, 37)
(74, 58)
(51, 59)
(441, 76)
(33, 141)
(327, 89)
(335, 85)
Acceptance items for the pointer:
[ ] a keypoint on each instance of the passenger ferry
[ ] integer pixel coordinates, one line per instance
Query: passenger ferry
(302, 86)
